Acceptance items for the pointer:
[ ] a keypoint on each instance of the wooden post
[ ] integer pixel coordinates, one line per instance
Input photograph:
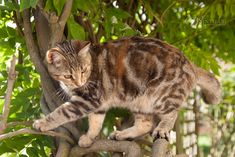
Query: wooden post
(179, 136)
(197, 117)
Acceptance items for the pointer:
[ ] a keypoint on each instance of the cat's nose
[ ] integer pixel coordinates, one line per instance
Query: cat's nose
(77, 83)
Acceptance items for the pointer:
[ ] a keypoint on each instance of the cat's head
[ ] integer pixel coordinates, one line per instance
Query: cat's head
(70, 63)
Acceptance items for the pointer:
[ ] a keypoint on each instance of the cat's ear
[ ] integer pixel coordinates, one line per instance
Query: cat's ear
(83, 44)
(82, 48)
(54, 57)
(84, 52)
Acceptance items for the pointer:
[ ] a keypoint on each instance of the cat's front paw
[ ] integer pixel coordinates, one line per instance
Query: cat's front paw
(161, 133)
(85, 141)
(120, 135)
(41, 125)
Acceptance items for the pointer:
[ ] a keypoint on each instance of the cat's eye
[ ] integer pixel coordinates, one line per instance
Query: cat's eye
(68, 76)
(84, 70)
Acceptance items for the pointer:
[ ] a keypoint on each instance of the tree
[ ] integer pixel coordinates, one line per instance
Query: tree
(204, 30)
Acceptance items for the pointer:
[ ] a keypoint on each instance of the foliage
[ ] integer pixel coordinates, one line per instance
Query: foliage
(203, 30)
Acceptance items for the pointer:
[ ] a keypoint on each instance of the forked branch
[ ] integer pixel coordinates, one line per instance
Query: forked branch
(12, 74)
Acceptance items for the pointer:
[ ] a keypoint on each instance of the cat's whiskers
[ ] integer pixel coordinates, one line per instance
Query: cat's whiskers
(61, 94)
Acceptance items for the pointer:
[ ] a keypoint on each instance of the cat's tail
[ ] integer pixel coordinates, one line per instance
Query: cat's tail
(210, 86)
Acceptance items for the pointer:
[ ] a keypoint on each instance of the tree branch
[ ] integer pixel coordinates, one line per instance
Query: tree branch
(42, 30)
(63, 149)
(131, 149)
(66, 12)
(57, 24)
(48, 86)
(10, 84)
(29, 131)
(43, 12)
(30, 43)
(161, 148)
(99, 33)
(18, 21)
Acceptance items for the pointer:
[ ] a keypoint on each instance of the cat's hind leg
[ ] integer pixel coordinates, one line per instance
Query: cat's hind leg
(95, 121)
(142, 125)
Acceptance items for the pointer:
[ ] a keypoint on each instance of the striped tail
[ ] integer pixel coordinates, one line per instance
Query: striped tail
(210, 86)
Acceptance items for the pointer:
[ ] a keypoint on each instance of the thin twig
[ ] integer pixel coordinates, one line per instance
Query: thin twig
(130, 5)
(10, 84)
(99, 33)
(24, 123)
(165, 11)
(30, 131)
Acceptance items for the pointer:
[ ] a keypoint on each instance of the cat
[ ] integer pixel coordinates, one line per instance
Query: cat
(145, 75)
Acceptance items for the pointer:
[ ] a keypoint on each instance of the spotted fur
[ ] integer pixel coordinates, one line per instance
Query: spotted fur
(145, 75)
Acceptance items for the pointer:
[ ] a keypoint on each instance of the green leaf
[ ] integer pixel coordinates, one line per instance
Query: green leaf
(75, 30)
(212, 12)
(229, 2)
(219, 9)
(49, 6)
(24, 4)
(81, 5)
(118, 13)
(9, 6)
(226, 10)
(18, 143)
(107, 26)
(59, 4)
(33, 3)
(38, 145)
(5, 148)
(32, 152)
(3, 33)
(232, 9)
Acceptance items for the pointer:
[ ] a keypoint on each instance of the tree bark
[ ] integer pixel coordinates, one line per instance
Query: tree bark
(131, 149)
(161, 148)
(38, 49)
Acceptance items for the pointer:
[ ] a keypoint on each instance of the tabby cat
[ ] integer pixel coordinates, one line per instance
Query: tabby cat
(145, 75)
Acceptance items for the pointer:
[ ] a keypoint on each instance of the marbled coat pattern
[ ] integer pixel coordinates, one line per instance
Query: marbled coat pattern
(145, 75)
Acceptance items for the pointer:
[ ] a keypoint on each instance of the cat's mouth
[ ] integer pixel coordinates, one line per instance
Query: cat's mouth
(76, 86)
